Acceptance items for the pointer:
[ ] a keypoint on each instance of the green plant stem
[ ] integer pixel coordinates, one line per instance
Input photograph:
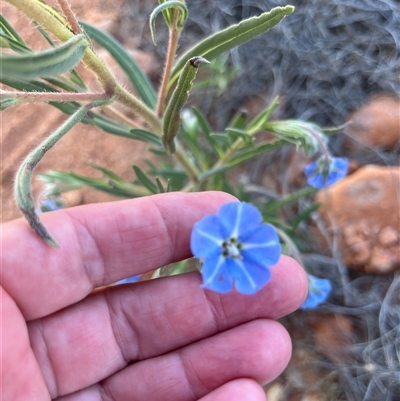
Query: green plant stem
(292, 246)
(317, 136)
(174, 34)
(189, 167)
(234, 147)
(48, 20)
(32, 97)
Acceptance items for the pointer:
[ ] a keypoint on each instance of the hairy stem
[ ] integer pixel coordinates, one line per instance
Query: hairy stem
(32, 97)
(66, 9)
(174, 34)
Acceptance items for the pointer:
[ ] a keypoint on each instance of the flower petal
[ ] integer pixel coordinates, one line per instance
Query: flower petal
(318, 292)
(310, 168)
(216, 275)
(262, 247)
(206, 238)
(249, 277)
(238, 219)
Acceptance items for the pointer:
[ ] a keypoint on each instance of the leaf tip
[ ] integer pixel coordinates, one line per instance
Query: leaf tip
(197, 60)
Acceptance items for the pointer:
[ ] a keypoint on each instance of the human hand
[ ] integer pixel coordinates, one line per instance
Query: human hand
(164, 339)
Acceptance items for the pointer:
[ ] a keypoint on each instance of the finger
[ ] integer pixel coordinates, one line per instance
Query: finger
(23, 380)
(110, 329)
(100, 244)
(240, 389)
(258, 351)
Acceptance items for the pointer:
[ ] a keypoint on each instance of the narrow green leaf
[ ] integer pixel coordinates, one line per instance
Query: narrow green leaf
(145, 136)
(183, 14)
(202, 121)
(142, 177)
(239, 120)
(138, 78)
(259, 149)
(158, 152)
(239, 133)
(64, 182)
(243, 156)
(287, 200)
(160, 186)
(231, 37)
(10, 31)
(75, 78)
(44, 64)
(224, 139)
(108, 173)
(178, 100)
(11, 43)
(9, 102)
(261, 118)
(44, 33)
(168, 13)
(192, 144)
(304, 215)
(168, 186)
(63, 83)
(207, 131)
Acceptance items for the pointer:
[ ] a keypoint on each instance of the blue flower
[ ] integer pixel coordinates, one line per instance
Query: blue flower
(325, 172)
(50, 204)
(128, 280)
(318, 291)
(236, 248)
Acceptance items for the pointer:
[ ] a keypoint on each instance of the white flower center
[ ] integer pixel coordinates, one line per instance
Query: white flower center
(231, 248)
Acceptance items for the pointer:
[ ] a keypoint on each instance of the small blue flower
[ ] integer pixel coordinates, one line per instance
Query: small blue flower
(50, 204)
(128, 280)
(236, 248)
(325, 172)
(318, 291)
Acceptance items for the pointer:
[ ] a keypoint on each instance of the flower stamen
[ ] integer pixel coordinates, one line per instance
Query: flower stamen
(231, 249)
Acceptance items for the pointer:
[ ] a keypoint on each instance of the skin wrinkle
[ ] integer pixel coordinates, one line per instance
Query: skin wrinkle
(116, 328)
(213, 311)
(167, 233)
(186, 376)
(133, 329)
(189, 371)
(50, 380)
(83, 236)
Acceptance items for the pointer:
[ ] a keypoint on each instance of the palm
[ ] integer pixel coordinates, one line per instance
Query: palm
(186, 343)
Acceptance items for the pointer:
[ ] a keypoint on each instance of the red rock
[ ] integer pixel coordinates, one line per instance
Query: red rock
(376, 124)
(362, 213)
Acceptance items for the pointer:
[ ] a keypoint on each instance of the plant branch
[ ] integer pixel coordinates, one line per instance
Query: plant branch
(66, 9)
(174, 34)
(32, 97)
